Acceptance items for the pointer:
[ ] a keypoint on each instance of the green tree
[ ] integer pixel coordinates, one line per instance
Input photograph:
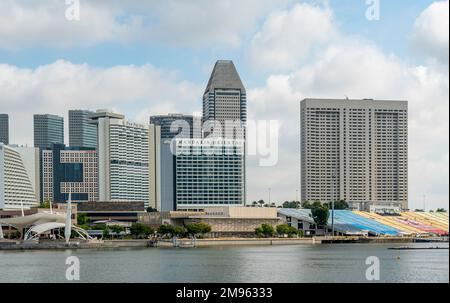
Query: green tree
(291, 204)
(171, 230)
(139, 230)
(441, 210)
(341, 204)
(285, 229)
(266, 230)
(106, 233)
(261, 203)
(419, 210)
(116, 229)
(198, 228)
(306, 205)
(320, 214)
(45, 204)
(259, 232)
(151, 210)
(82, 219)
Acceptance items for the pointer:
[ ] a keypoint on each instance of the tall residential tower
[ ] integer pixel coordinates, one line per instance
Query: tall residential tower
(128, 159)
(354, 150)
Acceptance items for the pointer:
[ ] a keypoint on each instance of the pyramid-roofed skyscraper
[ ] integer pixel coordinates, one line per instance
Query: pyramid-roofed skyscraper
(215, 179)
(225, 96)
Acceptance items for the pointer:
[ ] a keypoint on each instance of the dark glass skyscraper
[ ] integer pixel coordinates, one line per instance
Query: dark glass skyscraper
(172, 125)
(81, 132)
(48, 130)
(4, 129)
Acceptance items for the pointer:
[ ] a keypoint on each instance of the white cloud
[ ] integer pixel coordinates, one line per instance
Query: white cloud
(55, 88)
(205, 22)
(289, 36)
(26, 23)
(358, 69)
(431, 31)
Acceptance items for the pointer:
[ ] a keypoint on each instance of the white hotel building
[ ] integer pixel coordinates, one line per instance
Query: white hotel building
(19, 177)
(208, 172)
(128, 159)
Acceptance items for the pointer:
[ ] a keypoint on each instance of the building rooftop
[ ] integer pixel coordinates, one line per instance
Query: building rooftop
(224, 75)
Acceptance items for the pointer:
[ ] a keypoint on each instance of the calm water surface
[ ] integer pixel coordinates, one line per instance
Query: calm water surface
(302, 263)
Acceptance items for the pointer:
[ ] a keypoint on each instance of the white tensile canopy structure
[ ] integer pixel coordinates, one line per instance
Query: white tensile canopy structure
(34, 219)
(37, 230)
(43, 222)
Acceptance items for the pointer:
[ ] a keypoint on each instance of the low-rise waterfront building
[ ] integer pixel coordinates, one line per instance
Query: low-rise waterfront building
(228, 221)
(121, 211)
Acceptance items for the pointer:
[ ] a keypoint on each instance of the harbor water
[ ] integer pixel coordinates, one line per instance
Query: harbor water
(268, 264)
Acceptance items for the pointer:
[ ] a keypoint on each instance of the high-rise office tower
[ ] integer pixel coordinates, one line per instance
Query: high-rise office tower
(70, 169)
(48, 130)
(128, 158)
(4, 129)
(209, 173)
(19, 177)
(172, 125)
(81, 132)
(354, 150)
(225, 102)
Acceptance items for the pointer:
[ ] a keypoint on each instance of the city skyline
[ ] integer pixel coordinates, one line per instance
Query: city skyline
(407, 64)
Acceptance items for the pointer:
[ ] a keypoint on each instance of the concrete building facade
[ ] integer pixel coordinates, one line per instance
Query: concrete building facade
(128, 159)
(229, 221)
(70, 169)
(354, 150)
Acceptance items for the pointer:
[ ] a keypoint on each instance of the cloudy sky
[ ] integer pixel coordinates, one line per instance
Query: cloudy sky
(155, 57)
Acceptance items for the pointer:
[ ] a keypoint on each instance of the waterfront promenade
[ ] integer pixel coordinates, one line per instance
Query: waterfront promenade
(209, 242)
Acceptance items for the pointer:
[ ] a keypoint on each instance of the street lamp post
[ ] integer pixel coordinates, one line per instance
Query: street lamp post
(333, 175)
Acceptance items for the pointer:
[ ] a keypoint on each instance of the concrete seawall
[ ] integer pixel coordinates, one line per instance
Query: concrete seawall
(15, 245)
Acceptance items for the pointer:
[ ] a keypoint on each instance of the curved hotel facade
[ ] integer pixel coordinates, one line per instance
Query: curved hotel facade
(19, 178)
